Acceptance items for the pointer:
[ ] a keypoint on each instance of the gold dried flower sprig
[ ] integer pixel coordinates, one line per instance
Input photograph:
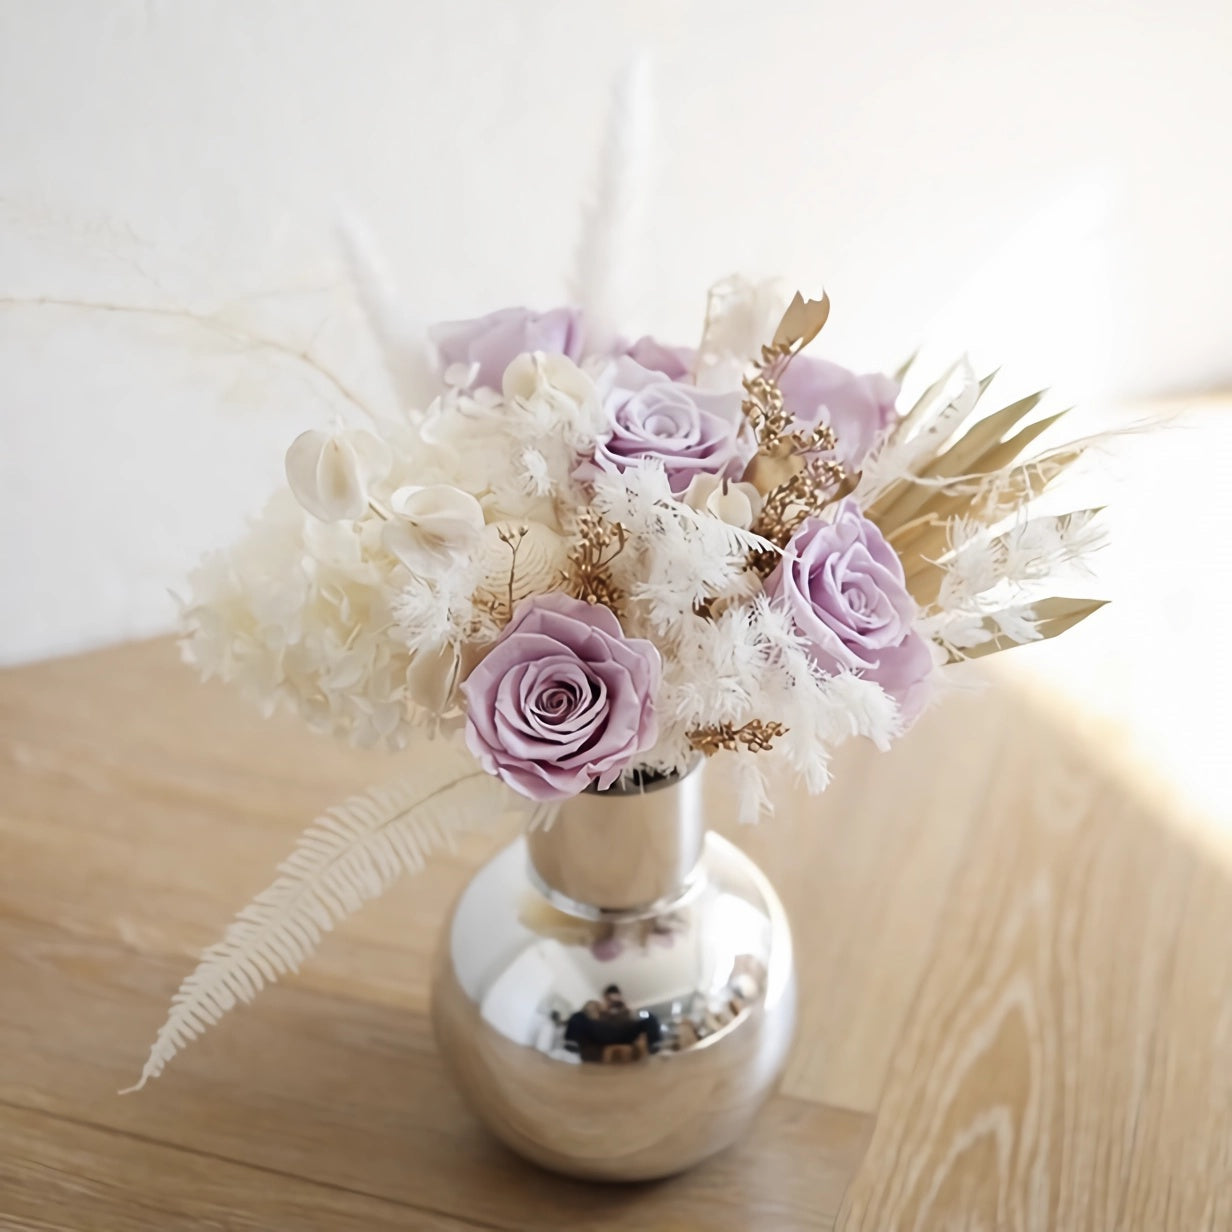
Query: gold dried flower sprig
(597, 543)
(785, 451)
(757, 736)
(794, 468)
(763, 404)
(819, 482)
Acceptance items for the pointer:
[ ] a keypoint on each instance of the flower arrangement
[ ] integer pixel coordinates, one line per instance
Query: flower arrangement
(577, 558)
(601, 559)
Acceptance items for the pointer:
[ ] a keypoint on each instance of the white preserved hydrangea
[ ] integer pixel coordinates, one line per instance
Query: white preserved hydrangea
(298, 613)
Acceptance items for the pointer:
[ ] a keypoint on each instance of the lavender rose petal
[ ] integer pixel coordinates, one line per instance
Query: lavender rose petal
(495, 340)
(858, 407)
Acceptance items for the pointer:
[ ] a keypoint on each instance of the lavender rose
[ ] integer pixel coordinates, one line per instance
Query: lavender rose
(493, 341)
(650, 417)
(844, 588)
(562, 700)
(676, 363)
(858, 408)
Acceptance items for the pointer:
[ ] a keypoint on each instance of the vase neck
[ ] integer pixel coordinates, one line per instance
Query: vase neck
(629, 851)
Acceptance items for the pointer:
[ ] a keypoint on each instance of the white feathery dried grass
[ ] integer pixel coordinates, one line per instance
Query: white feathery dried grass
(1032, 550)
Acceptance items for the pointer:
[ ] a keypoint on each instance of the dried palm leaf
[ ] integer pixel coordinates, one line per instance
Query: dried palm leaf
(900, 373)
(981, 450)
(989, 495)
(919, 436)
(1050, 616)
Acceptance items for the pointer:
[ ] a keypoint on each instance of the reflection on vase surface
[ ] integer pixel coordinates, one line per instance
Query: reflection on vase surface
(626, 1046)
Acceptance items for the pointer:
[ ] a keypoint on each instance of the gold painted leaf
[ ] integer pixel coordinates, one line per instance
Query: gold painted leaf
(802, 321)
(766, 473)
(1053, 616)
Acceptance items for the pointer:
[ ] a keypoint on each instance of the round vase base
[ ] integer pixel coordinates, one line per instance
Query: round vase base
(625, 1047)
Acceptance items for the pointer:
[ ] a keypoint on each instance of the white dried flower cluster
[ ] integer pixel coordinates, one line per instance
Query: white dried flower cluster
(299, 613)
(992, 575)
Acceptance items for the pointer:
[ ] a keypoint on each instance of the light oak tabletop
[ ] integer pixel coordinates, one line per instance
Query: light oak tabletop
(1015, 954)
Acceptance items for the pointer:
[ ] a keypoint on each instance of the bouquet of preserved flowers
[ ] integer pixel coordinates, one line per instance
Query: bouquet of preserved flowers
(597, 557)
(578, 557)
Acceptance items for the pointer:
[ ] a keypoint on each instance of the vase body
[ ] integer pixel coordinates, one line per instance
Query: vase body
(615, 994)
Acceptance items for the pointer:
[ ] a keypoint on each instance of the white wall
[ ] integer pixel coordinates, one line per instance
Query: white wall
(1047, 183)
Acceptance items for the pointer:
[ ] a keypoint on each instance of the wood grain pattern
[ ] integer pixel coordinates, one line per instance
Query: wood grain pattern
(1032, 1082)
(1013, 960)
(57, 1174)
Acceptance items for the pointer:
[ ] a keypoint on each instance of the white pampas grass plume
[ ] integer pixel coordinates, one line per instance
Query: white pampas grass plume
(408, 354)
(350, 855)
(982, 564)
(607, 254)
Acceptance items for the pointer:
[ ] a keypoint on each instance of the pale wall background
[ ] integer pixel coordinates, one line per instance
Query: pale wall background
(1047, 184)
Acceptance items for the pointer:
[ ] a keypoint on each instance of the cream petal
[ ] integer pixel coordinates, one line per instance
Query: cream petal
(699, 490)
(435, 503)
(301, 467)
(737, 504)
(340, 485)
(433, 527)
(733, 503)
(404, 541)
(329, 472)
(432, 678)
(535, 373)
(402, 499)
(376, 459)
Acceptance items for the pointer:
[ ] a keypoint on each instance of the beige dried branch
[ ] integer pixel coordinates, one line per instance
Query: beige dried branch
(206, 321)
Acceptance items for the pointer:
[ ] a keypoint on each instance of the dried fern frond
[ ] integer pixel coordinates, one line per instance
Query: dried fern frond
(350, 855)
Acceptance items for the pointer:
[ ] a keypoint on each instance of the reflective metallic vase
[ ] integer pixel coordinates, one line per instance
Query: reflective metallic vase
(615, 994)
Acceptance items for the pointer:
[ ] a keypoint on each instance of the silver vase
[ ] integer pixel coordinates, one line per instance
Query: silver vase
(615, 994)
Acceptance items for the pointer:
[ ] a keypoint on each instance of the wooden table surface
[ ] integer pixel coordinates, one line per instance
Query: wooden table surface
(1015, 956)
